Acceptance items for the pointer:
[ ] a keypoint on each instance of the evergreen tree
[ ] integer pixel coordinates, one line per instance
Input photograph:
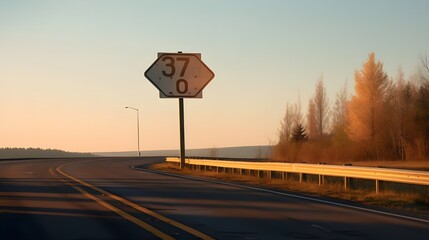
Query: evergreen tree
(299, 134)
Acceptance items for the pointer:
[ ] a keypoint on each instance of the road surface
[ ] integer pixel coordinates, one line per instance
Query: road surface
(104, 198)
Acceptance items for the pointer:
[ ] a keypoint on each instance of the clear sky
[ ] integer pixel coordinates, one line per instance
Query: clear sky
(69, 68)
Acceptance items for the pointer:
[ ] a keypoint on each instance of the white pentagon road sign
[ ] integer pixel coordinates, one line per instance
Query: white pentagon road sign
(179, 74)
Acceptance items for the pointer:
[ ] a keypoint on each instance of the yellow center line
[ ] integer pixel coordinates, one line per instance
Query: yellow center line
(120, 212)
(139, 208)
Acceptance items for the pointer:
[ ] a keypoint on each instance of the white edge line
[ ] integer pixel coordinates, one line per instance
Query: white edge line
(285, 194)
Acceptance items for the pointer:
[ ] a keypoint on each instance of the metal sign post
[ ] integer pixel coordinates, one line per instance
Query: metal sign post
(182, 133)
(179, 75)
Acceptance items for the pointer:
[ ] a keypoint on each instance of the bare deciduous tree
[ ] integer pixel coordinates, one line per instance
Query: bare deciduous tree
(321, 108)
(311, 120)
(424, 69)
(385, 119)
(292, 116)
(286, 127)
(339, 112)
(402, 114)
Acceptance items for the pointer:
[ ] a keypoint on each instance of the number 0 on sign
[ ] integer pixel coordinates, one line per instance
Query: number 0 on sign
(179, 74)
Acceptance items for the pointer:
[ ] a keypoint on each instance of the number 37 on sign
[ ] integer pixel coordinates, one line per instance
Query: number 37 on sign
(179, 74)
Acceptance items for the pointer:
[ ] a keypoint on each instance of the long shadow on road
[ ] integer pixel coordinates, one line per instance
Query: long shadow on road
(34, 208)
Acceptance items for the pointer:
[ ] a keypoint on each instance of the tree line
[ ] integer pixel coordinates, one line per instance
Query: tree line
(9, 153)
(387, 118)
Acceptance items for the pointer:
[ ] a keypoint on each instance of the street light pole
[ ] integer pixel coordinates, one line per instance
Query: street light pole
(138, 130)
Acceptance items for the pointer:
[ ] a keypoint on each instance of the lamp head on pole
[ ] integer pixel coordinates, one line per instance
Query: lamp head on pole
(136, 109)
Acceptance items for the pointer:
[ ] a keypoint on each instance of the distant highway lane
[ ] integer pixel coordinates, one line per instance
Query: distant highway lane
(105, 198)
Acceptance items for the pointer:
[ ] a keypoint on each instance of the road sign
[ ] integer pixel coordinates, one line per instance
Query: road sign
(199, 95)
(179, 74)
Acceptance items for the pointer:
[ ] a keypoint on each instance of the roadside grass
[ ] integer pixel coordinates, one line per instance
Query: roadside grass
(389, 199)
(411, 165)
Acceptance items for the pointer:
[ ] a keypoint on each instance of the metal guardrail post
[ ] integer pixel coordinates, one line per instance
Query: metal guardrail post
(377, 186)
(346, 183)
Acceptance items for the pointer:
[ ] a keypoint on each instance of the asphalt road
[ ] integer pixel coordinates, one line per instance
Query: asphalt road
(107, 199)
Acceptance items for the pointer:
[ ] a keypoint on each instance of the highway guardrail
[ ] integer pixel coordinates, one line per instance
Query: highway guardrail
(322, 170)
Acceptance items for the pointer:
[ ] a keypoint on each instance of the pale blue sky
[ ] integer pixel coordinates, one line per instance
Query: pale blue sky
(68, 68)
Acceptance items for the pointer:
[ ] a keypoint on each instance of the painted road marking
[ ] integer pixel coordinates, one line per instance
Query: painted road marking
(118, 211)
(286, 194)
(138, 207)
